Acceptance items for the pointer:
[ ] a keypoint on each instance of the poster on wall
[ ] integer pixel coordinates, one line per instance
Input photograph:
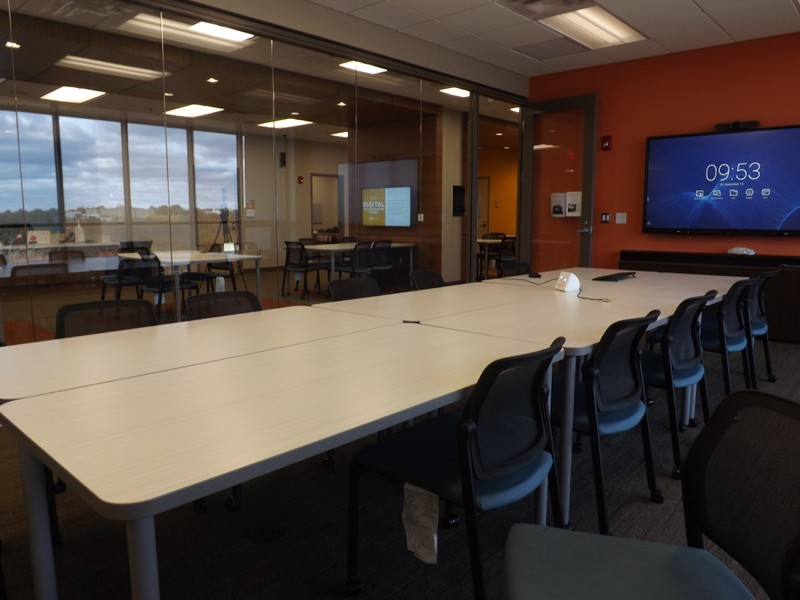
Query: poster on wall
(558, 204)
(573, 204)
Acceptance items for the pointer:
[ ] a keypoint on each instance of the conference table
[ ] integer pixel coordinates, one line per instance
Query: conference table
(139, 434)
(181, 260)
(529, 309)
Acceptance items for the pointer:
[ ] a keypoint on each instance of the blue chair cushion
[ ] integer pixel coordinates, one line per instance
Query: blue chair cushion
(426, 455)
(540, 562)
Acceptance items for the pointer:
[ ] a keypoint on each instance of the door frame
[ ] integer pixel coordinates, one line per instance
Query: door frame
(587, 102)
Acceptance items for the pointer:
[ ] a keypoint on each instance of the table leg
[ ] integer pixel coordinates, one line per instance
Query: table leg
(333, 266)
(258, 278)
(142, 558)
(567, 420)
(44, 574)
(176, 291)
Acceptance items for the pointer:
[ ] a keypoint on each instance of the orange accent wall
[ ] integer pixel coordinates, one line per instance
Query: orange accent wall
(501, 168)
(688, 92)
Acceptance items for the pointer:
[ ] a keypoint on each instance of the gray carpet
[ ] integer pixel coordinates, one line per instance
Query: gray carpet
(211, 554)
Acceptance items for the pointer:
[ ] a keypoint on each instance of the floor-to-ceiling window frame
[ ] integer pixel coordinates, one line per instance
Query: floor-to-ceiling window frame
(120, 169)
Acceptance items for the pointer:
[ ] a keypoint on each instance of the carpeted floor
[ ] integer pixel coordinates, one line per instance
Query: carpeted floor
(301, 511)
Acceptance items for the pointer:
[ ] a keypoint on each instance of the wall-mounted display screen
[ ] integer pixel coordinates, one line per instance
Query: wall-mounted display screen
(737, 182)
(386, 207)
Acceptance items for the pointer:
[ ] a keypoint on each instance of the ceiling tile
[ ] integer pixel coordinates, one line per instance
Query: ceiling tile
(551, 49)
(440, 8)
(390, 14)
(345, 6)
(746, 19)
(484, 18)
(521, 35)
(435, 32)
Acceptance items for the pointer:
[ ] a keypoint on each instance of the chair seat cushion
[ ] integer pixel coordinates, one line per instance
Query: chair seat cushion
(710, 341)
(546, 562)
(426, 455)
(608, 423)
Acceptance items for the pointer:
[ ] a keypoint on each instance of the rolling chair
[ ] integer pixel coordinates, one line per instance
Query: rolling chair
(425, 279)
(219, 304)
(298, 262)
(353, 287)
(380, 259)
(739, 483)
(355, 262)
(610, 399)
(679, 365)
(759, 328)
(497, 452)
(155, 282)
(513, 267)
(724, 329)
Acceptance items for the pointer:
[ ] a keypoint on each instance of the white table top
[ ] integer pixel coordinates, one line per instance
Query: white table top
(139, 446)
(54, 365)
(182, 258)
(421, 305)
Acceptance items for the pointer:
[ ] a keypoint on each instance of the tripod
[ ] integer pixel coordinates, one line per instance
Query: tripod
(223, 228)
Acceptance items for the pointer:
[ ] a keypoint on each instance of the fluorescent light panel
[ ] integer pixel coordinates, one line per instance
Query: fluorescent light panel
(593, 27)
(72, 94)
(152, 26)
(454, 91)
(193, 110)
(284, 123)
(361, 67)
(220, 32)
(341, 134)
(108, 68)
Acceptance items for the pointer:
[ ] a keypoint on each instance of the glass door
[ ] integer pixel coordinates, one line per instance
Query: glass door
(562, 181)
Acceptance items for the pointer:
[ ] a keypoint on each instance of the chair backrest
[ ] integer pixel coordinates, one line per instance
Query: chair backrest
(613, 372)
(508, 248)
(66, 255)
(734, 309)
(680, 341)
(757, 304)
(380, 253)
(740, 483)
(39, 274)
(353, 287)
(296, 255)
(85, 318)
(218, 304)
(514, 267)
(504, 425)
(140, 246)
(425, 279)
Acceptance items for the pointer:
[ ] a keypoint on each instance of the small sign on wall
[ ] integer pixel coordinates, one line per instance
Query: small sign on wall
(565, 204)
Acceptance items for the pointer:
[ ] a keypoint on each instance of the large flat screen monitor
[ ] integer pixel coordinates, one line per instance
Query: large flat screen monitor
(737, 182)
(386, 207)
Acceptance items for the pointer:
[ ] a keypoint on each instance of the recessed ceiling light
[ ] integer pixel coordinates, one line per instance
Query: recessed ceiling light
(284, 123)
(361, 67)
(454, 91)
(499, 133)
(193, 110)
(212, 80)
(341, 134)
(12, 45)
(294, 113)
(341, 103)
(514, 109)
(72, 94)
(593, 27)
(222, 33)
(544, 147)
(154, 27)
(108, 68)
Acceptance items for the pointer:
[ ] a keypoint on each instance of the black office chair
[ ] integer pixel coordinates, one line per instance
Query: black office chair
(353, 287)
(156, 282)
(213, 270)
(724, 329)
(610, 399)
(86, 318)
(739, 486)
(759, 328)
(131, 272)
(512, 268)
(380, 259)
(218, 304)
(298, 262)
(679, 365)
(497, 452)
(492, 252)
(355, 262)
(425, 279)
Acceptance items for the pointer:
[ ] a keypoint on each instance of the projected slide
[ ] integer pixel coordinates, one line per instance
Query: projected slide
(386, 207)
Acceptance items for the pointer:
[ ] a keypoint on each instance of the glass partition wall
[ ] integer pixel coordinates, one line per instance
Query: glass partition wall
(125, 124)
